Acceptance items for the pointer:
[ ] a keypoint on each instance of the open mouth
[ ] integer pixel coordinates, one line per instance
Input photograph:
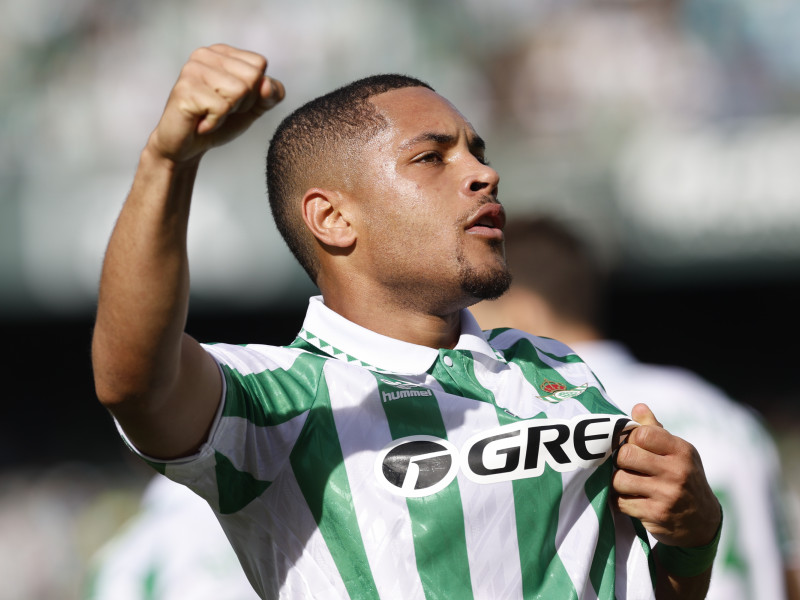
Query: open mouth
(489, 221)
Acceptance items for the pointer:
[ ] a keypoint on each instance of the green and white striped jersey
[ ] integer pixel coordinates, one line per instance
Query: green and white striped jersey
(352, 465)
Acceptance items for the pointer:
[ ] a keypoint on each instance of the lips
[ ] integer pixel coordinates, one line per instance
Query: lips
(488, 221)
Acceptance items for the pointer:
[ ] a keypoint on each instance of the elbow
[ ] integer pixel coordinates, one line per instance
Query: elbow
(121, 386)
(123, 378)
(115, 394)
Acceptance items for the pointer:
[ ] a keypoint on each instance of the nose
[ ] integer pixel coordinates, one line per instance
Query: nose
(482, 179)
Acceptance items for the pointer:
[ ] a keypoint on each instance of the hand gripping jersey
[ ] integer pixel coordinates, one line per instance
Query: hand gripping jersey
(352, 465)
(740, 460)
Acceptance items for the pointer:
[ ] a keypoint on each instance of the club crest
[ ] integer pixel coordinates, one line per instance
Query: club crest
(555, 392)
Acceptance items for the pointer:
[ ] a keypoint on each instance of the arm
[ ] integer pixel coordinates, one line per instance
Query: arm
(156, 380)
(660, 481)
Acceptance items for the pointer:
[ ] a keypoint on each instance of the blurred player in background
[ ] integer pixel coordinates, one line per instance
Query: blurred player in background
(557, 292)
(172, 549)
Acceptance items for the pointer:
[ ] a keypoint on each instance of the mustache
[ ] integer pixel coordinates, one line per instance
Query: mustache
(465, 217)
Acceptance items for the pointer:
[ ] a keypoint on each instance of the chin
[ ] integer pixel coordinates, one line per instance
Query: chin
(486, 286)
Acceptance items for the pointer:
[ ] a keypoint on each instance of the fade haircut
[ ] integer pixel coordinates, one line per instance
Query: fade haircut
(548, 258)
(312, 147)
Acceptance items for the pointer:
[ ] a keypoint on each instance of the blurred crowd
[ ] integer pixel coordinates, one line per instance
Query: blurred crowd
(665, 129)
(588, 108)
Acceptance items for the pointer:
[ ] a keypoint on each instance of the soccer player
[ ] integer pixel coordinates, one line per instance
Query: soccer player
(391, 451)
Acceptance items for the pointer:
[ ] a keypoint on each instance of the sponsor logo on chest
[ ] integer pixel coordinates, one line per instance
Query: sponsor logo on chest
(421, 465)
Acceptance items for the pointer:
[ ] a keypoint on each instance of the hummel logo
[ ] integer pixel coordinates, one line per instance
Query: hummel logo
(407, 390)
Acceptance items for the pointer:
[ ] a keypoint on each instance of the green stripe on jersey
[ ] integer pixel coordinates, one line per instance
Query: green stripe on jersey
(604, 562)
(437, 521)
(542, 577)
(236, 488)
(277, 391)
(318, 464)
(149, 584)
(644, 540)
(538, 372)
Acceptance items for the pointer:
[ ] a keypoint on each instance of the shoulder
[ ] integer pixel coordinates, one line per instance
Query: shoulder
(255, 358)
(505, 338)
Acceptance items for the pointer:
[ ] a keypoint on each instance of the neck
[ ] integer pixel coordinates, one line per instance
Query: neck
(407, 323)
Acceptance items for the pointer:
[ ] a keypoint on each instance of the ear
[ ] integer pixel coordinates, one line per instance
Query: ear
(325, 215)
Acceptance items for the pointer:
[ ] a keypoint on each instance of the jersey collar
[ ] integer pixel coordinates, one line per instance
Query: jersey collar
(345, 340)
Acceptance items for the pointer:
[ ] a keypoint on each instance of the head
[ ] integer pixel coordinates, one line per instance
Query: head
(405, 173)
(315, 146)
(558, 282)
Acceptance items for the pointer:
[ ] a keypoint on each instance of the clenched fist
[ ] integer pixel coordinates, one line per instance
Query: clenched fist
(220, 92)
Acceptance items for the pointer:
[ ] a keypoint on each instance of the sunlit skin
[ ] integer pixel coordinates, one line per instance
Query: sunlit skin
(427, 224)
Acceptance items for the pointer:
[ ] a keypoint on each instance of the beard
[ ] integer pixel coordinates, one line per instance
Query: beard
(485, 284)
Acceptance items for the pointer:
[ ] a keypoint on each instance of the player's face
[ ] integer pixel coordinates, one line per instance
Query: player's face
(429, 199)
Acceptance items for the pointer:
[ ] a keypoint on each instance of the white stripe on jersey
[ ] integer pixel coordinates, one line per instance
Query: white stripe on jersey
(489, 512)
(257, 359)
(271, 441)
(363, 430)
(304, 567)
(578, 527)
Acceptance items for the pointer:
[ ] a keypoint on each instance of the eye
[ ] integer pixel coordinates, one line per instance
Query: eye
(429, 157)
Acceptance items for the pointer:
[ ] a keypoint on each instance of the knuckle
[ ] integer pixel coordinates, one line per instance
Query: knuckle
(238, 88)
(260, 63)
(661, 514)
(625, 454)
(200, 54)
(645, 434)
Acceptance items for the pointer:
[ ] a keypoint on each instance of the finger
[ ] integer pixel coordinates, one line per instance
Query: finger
(256, 60)
(621, 437)
(233, 88)
(641, 509)
(634, 459)
(642, 414)
(210, 107)
(271, 92)
(239, 99)
(655, 439)
(226, 92)
(217, 64)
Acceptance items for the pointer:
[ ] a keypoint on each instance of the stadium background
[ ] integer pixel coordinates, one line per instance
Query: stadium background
(666, 131)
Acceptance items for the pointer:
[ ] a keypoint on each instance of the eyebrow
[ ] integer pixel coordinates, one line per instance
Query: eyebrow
(474, 141)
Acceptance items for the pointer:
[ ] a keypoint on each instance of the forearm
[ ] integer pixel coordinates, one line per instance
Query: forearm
(144, 287)
(161, 385)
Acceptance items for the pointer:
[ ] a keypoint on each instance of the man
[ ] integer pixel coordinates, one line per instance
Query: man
(381, 454)
(558, 292)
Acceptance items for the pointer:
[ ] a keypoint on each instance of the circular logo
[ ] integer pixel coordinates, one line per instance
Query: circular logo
(417, 466)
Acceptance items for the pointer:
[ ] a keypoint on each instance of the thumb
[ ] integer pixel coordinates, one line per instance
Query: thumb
(271, 91)
(642, 414)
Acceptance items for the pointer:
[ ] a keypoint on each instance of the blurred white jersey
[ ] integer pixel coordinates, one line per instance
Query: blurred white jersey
(738, 454)
(173, 549)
